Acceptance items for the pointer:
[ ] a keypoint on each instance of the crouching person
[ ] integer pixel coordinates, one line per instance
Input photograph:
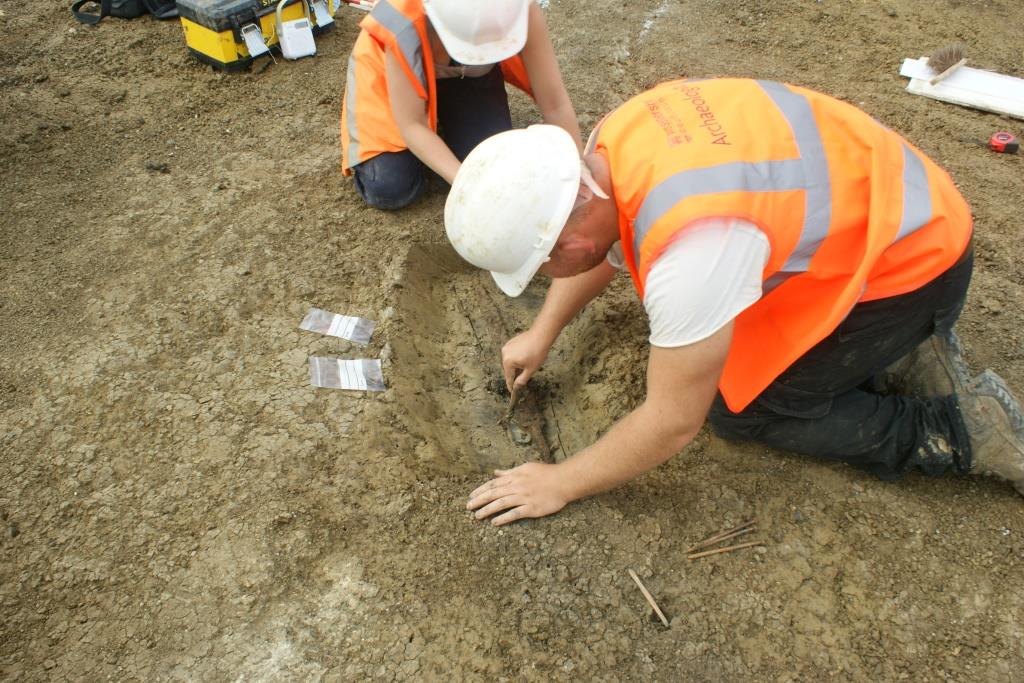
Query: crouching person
(426, 83)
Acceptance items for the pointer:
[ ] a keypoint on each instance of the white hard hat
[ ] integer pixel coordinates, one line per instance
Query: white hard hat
(479, 31)
(511, 199)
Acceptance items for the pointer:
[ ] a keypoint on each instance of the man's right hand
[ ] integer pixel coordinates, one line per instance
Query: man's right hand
(523, 355)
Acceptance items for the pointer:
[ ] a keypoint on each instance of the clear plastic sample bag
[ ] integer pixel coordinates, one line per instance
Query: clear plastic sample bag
(348, 327)
(338, 373)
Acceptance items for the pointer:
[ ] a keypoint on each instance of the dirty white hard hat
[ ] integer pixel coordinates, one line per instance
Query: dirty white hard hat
(479, 31)
(511, 199)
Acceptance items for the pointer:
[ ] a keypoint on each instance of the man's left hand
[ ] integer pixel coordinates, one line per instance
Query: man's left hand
(533, 489)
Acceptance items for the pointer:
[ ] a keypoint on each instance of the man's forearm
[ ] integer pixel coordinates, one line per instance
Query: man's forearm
(637, 443)
(681, 384)
(567, 296)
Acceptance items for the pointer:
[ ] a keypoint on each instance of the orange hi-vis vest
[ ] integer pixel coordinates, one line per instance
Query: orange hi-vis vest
(367, 125)
(851, 210)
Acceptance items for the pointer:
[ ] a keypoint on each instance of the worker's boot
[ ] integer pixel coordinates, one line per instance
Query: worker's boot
(935, 368)
(995, 427)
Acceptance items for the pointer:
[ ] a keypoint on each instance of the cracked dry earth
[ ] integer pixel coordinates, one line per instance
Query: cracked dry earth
(178, 504)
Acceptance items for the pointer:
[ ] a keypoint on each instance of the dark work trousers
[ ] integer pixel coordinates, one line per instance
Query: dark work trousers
(469, 110)
(824, 404)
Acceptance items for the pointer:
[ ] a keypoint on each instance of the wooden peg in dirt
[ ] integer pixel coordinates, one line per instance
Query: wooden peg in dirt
(727, 549)
(650, 599)
(738, 530)
(719, 539)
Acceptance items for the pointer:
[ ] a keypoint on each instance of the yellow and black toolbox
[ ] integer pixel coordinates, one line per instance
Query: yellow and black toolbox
(229, 34)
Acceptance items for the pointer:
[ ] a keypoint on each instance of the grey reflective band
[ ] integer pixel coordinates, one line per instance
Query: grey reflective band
(738, 176)
(917, 198)
(774, 280)
(917, 209)
(818, 186)
(809, 173)
(406, 35)
(350, 112)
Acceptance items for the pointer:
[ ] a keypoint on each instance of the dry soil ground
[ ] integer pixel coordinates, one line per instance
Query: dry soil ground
(179, 504)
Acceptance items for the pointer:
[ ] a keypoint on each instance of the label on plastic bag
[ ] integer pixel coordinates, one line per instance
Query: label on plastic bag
(337, 373)
(354, 329)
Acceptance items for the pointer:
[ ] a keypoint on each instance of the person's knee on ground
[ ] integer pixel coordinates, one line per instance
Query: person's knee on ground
(936, 367)
(390, 181)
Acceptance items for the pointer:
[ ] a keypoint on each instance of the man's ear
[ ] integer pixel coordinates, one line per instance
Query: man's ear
(575, 242)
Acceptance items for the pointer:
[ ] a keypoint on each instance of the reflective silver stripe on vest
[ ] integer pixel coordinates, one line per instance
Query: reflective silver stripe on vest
(350, 112)
(406, 35)
(818, 208)
(917, 198)
(809, 173)
(774, 280)
(917, 208)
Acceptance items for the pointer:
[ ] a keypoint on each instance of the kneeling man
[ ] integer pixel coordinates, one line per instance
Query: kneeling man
(801, 265)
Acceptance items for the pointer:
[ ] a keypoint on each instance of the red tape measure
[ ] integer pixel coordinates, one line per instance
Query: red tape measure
(1003, 142)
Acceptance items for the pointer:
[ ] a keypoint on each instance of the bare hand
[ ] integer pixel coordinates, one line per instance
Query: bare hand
(523, 355)
(533, 489)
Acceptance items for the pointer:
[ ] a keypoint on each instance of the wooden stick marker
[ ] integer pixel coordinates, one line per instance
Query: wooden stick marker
(720, 538)
(727, 549)
(725, 535)
(650, 600)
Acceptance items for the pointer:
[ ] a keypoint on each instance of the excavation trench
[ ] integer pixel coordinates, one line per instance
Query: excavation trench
(450, 324)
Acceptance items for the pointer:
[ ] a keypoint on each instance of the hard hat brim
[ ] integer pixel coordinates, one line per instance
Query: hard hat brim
(489, 53)
(515, 282)
(486, 53)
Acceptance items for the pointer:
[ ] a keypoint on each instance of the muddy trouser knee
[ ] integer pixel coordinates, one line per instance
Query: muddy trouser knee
(824, 405)
(390, 180)
(469, 110)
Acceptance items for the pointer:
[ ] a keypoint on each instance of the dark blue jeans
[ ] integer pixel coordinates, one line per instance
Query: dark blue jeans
(469, 110)
(825, 404)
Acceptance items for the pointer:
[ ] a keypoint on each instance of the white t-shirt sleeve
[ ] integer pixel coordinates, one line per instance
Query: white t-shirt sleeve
(704, 279)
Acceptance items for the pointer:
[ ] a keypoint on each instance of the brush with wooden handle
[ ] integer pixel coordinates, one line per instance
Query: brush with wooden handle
(945, 61)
